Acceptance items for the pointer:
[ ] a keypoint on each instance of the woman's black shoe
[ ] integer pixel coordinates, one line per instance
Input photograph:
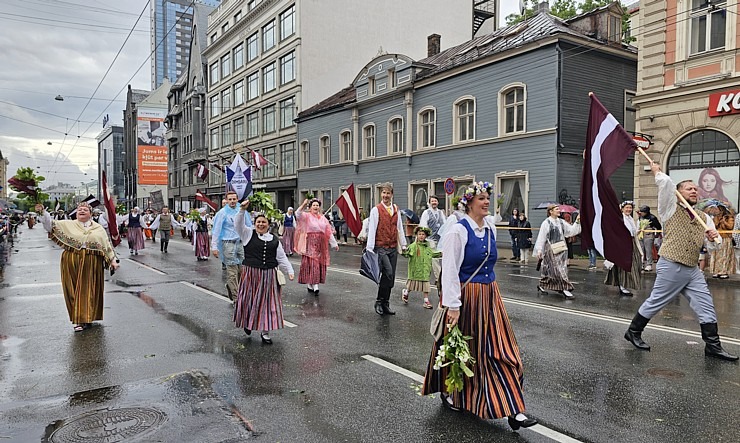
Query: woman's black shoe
(316, 292)
(539, 289)
(248, 331)
(516, 424)
(625, 293)
(447, 402)
(266, 339)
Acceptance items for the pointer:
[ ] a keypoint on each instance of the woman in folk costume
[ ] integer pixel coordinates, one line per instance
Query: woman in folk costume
(313, 237)
(621, 277)
(201, 243)
(87, 253)
(550, 247)
(288, 231)
(259, 303)
(470, 291)
(722, 262)
(134, 231)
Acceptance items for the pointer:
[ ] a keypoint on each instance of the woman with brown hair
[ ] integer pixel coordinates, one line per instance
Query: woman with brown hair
(313, 238)
(553, 251)
(722, 262)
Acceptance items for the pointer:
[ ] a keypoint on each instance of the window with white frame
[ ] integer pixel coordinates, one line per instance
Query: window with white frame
(226, 135)
(304, 154)
(269, 170)
(325, 149)
(238, 56)
(368, 141)
(512, 186)
(287, 112)
(239, 93)
(365, 200)
(253, 47)
(213, 77)
(253, 85)
(427, 127)
(239, 130)
(395, 135)
(268, 119)
(420, 197)
(237, 17)
(287, 23)
(268, 36)
(226, 100)
(287, 68)
(287, 158)
(346, 140)
(268, 78)
(513, 110)
(708, 25)
(253, 128)
(225, 65)
(464, 120)
(215, 105)
(214, 138)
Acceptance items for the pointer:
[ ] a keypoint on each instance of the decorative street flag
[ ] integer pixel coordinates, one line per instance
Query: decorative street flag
(202, 198)
(57, 206)
(90, 200)
(239, 176)
(201, 172)
(351, 212)
(608, 145)
(257, 159)
(110, 213)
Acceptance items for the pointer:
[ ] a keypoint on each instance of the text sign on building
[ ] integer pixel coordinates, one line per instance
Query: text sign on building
(724, 103)
(151, 152)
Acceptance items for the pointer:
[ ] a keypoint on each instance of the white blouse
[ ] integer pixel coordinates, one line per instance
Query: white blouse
(245, 234)
(566, 230)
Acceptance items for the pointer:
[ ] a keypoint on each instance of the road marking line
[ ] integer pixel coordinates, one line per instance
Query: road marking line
(34, 285)
(540, 429)
(156, 271)
(223, 298)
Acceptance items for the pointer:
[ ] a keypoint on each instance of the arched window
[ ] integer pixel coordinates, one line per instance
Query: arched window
(325, 150)
(345, 138)
(368, 141)
(464, 124)
(512, 102)
(426, 126)
(712, 160)
(395, 135)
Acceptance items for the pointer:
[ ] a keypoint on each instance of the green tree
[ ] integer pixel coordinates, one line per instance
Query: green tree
(564, 9)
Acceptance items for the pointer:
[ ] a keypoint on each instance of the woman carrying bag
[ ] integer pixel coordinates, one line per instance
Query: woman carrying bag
(553, 251)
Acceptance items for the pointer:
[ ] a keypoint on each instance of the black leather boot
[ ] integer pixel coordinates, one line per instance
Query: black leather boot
(387, 308)
(166, 243)
(379, 307)
(161, 246)
(713, 347)
(634, 332)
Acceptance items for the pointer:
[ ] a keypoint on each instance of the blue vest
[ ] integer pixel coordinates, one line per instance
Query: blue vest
(475, 253)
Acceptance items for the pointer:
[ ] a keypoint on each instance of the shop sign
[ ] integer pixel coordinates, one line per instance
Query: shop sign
(724, 103)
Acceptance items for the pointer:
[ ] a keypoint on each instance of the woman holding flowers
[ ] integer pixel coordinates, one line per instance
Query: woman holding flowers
(313, 237)
(201, 242)
(471, 294)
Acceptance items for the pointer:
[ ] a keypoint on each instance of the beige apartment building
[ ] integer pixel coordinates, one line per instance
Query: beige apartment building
(270, 59)
(688, 95)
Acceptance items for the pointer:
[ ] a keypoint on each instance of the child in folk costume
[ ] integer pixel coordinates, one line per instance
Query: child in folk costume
(420, 255)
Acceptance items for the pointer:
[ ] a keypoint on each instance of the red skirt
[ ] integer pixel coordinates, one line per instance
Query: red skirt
(202, 246)
(313, 269)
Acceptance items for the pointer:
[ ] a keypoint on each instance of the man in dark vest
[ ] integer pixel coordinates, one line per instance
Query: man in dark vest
(383, 236)
(677, 269)
(164, 223)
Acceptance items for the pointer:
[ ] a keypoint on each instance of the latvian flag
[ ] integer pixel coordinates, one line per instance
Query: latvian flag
(258, 161)
(351, 212)
(602, 224)
(201, 172)
(201, 197)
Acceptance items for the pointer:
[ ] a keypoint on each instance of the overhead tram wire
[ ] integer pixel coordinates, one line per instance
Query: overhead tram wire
(41, 112)
(146, 6)
(40, 126)
(137, 70)
(19, 17)
(65, 96)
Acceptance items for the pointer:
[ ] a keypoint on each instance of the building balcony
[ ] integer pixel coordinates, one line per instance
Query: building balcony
(173, 134)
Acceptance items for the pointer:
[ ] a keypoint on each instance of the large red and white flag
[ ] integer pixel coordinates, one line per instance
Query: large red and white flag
(608, 146)
(201, 197)
(258, 161)
(351, 212)
(201, 171)
(110, 212)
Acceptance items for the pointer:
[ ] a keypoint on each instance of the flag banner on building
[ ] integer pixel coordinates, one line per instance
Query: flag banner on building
(351, 212)
(201, 172)
(608, 146)
(90, 200)
(202, 198)
(110, 212)
(257, 159)
(239, 177)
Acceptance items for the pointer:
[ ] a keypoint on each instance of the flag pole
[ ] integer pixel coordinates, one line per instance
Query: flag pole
(682, 199)
(332, 205)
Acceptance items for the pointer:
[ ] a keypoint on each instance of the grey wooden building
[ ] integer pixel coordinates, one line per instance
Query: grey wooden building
(510, 107)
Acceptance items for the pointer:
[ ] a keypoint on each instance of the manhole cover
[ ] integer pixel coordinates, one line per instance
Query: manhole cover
(665, 373)
(108, 425)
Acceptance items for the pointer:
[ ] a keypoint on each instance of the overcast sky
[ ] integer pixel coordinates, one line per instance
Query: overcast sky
(60, 47)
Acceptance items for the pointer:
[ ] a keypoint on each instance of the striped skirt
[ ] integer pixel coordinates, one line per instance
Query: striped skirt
(202, 246)
(83, 279)
(313, 269)
(417, 285)
(135, 238)
(723, 259)
(554, 270)
(495, 389)
(287, 239)
(258, 306)
(632, 279)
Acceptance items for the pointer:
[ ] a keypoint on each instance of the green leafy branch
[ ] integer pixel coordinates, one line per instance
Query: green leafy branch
(454, 353)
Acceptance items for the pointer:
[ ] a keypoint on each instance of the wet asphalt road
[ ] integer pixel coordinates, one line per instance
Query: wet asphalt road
(167, 364)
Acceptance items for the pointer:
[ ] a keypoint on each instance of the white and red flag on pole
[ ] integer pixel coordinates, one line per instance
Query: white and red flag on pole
(202, 198)
(110, 213)
(258, 161)
(351, 212)
(608, 146)
(201, 171)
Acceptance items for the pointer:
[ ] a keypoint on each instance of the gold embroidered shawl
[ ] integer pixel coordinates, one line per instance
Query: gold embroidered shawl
(72, 236)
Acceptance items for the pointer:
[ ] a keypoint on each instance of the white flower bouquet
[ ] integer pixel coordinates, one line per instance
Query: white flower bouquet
(455, 353)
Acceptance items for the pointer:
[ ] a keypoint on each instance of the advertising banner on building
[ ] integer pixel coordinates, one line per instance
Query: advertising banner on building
(151, 152)
(718, 183)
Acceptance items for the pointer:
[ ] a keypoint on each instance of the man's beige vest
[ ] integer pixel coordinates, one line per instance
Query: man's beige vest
(682, 238)
(165, 222)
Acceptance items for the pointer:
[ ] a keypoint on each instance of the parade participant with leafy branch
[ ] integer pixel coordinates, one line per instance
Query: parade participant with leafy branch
(313, 238)
(475, 313)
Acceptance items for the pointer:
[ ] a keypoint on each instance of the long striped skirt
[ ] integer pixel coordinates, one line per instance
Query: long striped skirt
(495, 389)
(82, 282)
(723, 259)
(554, 270)
(629, 279)
(287, 239)
(135, 238)
(259, 305)
(202, 246)
(313, 269)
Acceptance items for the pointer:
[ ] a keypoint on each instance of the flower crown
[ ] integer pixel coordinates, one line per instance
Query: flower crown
(625, 203)
(423, 229)
(474, 189)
